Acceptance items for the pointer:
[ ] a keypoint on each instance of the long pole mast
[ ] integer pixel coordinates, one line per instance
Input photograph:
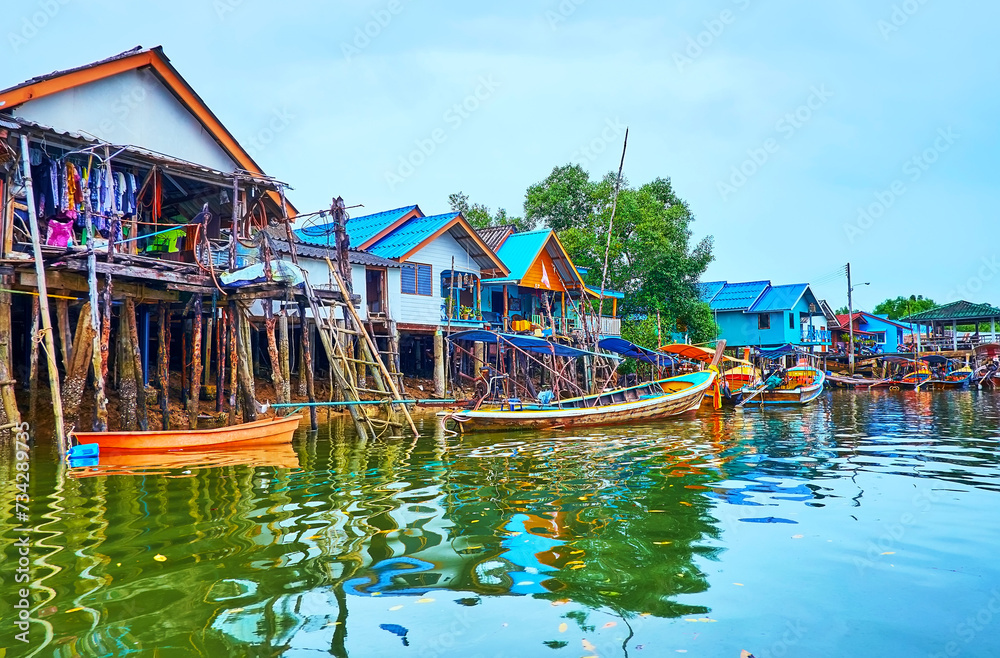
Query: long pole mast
(850, 320)
(611, 224)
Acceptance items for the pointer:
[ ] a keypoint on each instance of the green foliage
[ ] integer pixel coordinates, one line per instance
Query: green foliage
(650, 256)
(901, 307)
(843, 310)
(481, 216)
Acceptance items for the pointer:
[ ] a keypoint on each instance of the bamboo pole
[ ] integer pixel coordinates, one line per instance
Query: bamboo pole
(106, 323)
(43, 300)
(306, 368)
(207, 357)
(77, 369)
(142, 417)
(163, 361)
(11, 412)
(194, 395)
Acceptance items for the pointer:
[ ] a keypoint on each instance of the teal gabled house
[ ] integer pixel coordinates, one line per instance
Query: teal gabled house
(759, 314)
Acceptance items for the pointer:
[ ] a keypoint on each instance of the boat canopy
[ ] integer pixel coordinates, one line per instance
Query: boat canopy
(934, 359)
(632, 351)
(689, 352)
(778, 352)
(526, 343)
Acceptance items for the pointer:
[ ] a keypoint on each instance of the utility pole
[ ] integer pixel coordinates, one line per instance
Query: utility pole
(850, 320)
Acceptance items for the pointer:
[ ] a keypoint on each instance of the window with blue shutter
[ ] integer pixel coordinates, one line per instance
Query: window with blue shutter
(416, 279)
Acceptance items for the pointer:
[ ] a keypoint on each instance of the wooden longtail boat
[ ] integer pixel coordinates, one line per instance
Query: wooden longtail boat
(184, 463)
(268, 431)
(800, 385)
(734, 374)
(652, 401)
(959, 378)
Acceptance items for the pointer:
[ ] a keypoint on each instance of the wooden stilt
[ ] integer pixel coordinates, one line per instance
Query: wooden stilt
(142, 417)
(220, 368)
(283, 350)
(277, 377)
(302, 357)
(163, 362)
(79, 366)
(127, 383)
(438, 364)
(194, 395)
(233, 358)
(106, 326)
(97, 365)
(207, 357)
(11, 412)
(33, 364)
(185, 332)
(65, 337)
(306, 369)
(243, 366)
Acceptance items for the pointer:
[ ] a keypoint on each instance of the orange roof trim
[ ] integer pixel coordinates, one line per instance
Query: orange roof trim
(155, 59)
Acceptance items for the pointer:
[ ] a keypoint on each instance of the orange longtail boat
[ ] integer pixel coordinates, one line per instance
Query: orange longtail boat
(268, 431)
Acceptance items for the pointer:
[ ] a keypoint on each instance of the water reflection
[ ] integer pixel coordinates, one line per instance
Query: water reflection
(313, 547)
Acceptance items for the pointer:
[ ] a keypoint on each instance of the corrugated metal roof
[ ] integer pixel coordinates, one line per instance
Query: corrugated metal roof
(494, 236)
(707, 291)
(357, 256)
(961, 310)
(409, 236)
(359, 229)
(738, 296)
(779, 298)
(519, 251)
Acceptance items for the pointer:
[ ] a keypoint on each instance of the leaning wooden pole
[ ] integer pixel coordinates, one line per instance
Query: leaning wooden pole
(43, 300)
(194, 393)
(220, 358)
(65, 333)
(163, 364)
(284, 356)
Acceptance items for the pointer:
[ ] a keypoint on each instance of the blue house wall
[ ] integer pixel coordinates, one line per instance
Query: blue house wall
(893, 332)
(793, 311)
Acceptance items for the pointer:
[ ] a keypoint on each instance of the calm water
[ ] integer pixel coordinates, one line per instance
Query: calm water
(865, 525)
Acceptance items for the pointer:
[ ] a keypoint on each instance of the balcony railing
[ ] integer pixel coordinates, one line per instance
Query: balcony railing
(605, 326)
(814, 335)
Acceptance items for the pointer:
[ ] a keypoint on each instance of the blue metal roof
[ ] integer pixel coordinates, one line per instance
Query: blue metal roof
(409, 236)
(519, 250)
(709, 290)
(779, 298)
(359, 229)
(738, 296)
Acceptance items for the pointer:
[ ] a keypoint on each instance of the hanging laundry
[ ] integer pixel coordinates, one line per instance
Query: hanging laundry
(59, 233)
(54, 180)
(130, 193)
(120, 199)
(43, 187)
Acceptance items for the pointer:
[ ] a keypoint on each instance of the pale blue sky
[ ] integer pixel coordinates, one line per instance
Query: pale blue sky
(554, 80)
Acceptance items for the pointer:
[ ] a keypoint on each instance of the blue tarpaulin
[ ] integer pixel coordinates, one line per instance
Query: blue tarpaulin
(632, 351)
(526, 343)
